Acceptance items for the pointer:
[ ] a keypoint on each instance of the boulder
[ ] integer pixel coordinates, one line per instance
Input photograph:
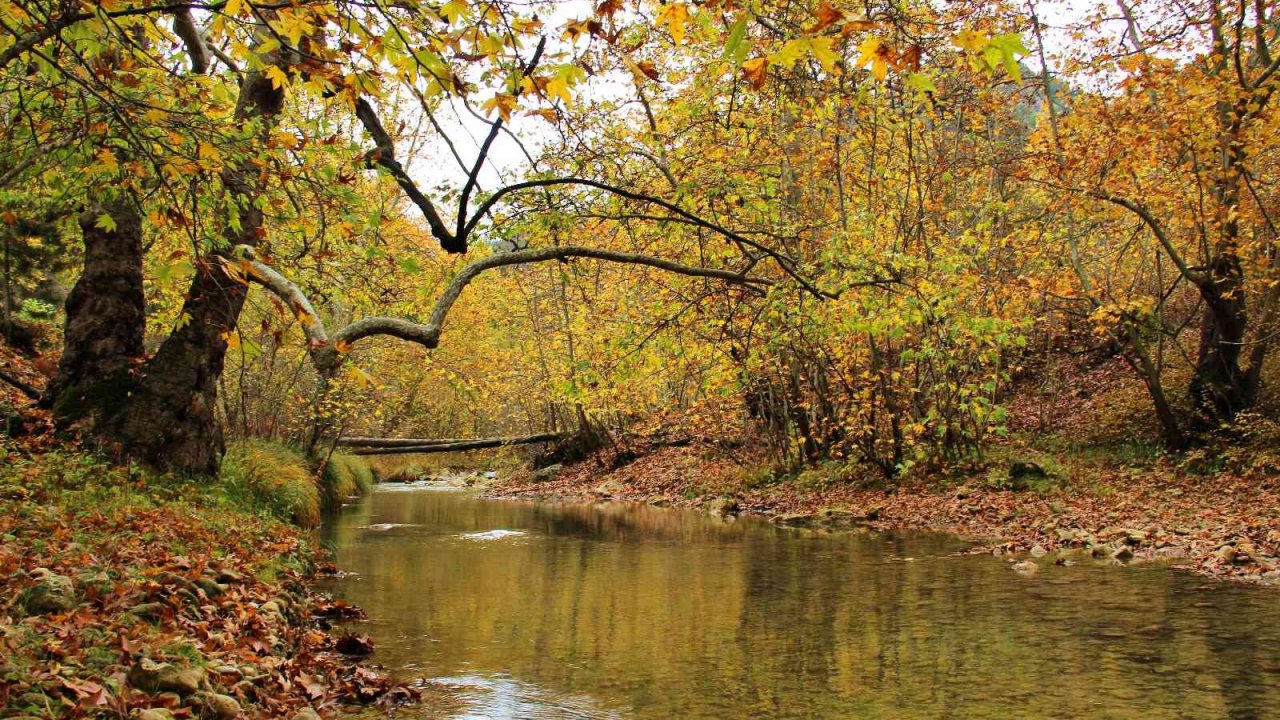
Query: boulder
(210, 587)
(1122, 553)
(1038, 551)
(1136, 537)
(153, 677)
(52, 593)
(306, 713)
(1022, 475)
(152, 611)
(546, 474)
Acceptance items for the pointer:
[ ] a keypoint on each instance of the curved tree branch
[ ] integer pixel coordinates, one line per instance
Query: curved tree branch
(1157, 229)
(787, 264)
(326, 351)
(184, 26)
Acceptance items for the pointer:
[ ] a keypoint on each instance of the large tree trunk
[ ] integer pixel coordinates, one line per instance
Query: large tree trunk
(171, 422)
(1219, 387)
(106, 320)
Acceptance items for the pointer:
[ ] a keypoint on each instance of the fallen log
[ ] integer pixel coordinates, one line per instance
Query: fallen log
(407, 446)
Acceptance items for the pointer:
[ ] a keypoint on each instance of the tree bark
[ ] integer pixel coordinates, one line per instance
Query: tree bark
(171, 422)
(106, 320)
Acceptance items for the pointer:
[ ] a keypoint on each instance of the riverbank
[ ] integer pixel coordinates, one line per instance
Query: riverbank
(1222, 525)
(130, 595)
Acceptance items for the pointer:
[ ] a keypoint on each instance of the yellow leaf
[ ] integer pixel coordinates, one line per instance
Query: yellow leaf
(277, 76)
(789, 53)
(675, 16)
(206, 151)
(970, 40)
(107, 159)
(821, 49)
(558, 88)
(234, 8)
(504, 104)
(231, 339)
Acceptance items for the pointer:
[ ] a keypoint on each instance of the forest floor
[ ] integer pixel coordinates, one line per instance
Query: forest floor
(146, 597)
(1221, 525)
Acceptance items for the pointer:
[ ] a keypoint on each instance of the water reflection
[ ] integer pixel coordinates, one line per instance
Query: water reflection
(608, 611)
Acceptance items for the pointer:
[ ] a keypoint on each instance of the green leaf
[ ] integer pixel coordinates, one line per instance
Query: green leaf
(734, 48)
(921, 82)
(105, 222)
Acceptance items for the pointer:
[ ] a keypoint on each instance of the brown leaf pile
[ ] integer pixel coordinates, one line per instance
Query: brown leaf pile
(204, 588)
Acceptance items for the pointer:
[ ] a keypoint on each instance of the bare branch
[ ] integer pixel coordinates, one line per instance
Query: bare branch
(384, 155)
(472, 177)
(430, 446)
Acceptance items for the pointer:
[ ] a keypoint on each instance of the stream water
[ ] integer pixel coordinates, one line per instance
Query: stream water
(625, 611)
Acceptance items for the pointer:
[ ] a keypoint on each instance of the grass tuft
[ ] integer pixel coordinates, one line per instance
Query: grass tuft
(277, 477)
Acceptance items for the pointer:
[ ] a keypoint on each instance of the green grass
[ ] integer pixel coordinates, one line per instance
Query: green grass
(274, 477)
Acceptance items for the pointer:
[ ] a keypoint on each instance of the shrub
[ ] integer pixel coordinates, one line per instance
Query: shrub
(276, 477)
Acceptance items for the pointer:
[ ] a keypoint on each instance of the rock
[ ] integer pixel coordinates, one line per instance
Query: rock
(608, 488)
(271, 608)
(52, 593)
(229, 577)
(214, 706)
(172, 578)
(149, 610)
(546, 474)
(306, 713)
(1122, 553)
(1136, 537)
(794, 520)
(1098, 550)
(964, 492)
(1235, 555)
(1023, 474)
(1026, 567)
(153, 677)
(838, 517)
(722, 507)
(153, 714)
(1038, 552)
(211, 589)
(873, 512)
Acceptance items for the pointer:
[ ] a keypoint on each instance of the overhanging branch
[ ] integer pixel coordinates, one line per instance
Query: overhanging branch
(326, 350)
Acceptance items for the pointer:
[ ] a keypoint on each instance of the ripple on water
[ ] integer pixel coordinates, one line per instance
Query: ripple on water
(491, 535)
(502, 698)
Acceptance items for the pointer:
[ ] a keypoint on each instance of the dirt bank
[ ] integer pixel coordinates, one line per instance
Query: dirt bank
(1220, 526)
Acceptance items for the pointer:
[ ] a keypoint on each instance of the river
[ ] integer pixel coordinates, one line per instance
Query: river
(538, 610)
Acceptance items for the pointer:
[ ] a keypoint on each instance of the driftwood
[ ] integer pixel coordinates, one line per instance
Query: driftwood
(407, 446)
